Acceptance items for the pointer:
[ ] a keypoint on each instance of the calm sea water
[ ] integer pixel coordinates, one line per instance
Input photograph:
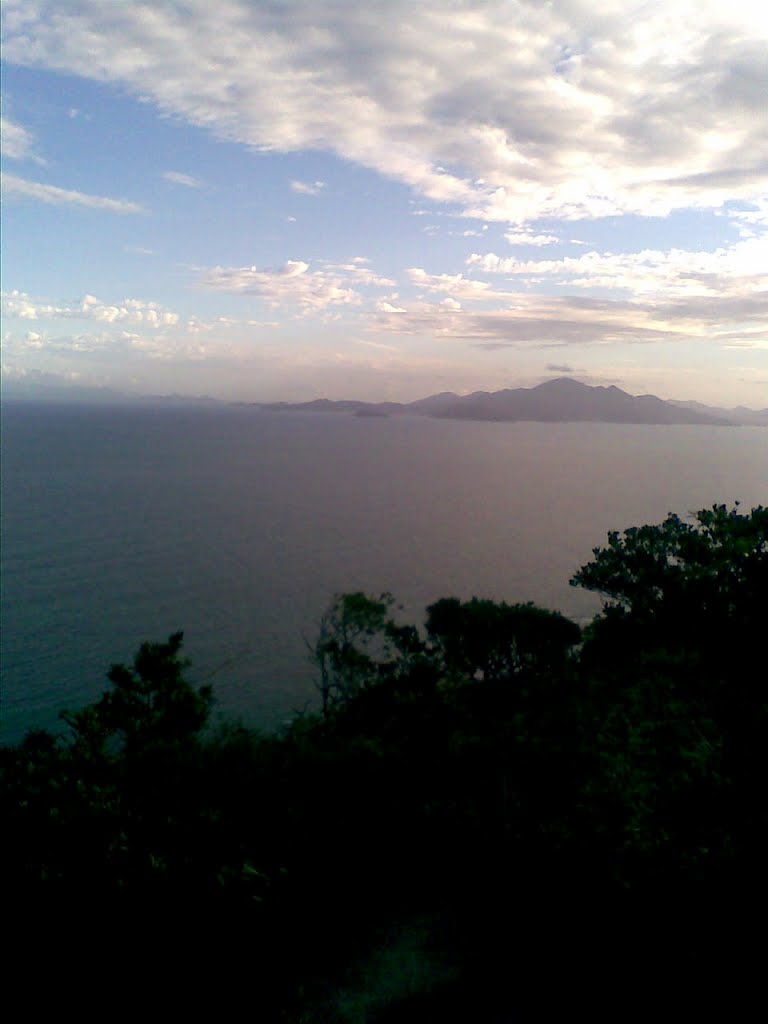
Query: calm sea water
(123, 524)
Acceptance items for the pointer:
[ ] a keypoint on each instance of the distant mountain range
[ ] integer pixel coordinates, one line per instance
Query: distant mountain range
(560, 400)
(739, 415)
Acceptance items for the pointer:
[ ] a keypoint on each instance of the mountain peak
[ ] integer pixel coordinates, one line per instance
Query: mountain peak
(560, 384)
(563, 399)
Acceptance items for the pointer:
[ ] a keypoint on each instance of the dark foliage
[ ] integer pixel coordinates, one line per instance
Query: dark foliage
(568, 814)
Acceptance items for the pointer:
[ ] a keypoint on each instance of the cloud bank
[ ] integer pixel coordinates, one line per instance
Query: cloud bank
(508, 110)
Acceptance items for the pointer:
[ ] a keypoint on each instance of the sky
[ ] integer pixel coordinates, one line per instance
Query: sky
(285, 200)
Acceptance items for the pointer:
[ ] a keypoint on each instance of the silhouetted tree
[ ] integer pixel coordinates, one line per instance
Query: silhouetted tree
(148, 704)
(676, 701)
(497, 640)
(354, 647)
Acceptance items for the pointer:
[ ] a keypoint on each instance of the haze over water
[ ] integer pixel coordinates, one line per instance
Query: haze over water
(126, 524)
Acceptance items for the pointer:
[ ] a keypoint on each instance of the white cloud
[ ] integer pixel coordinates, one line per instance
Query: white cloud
(111, 346)
(358, 272)
(21, 306)
(12, 372)
(456, 286)
(512, 110)
(294, 285)
(741, 269)
(123, 337)
(308, 188)
(17, 142)
(14, 186)
(194, 325)
(177, 178)
(752, 223)
(530, 238)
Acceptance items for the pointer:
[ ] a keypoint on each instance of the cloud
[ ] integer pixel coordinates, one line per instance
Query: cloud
(21, 306)
(507, 110)
(752, 223)
(560, 368)
(294, 285)
(357, 271)
(530, 238)
(308, 189)
(17, 142)
(14, 186)
(378, 345)
(457, 286)
(177, 178)
(196, 326)
(291, 284)
(123, 335)
(547, 322)
(532, 320)
(108, 346)
(40, 377)
(740, 269)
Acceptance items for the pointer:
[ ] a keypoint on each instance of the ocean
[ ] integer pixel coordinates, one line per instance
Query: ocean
(127, 523)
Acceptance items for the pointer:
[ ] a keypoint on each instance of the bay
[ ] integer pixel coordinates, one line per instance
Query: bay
(126, 523)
